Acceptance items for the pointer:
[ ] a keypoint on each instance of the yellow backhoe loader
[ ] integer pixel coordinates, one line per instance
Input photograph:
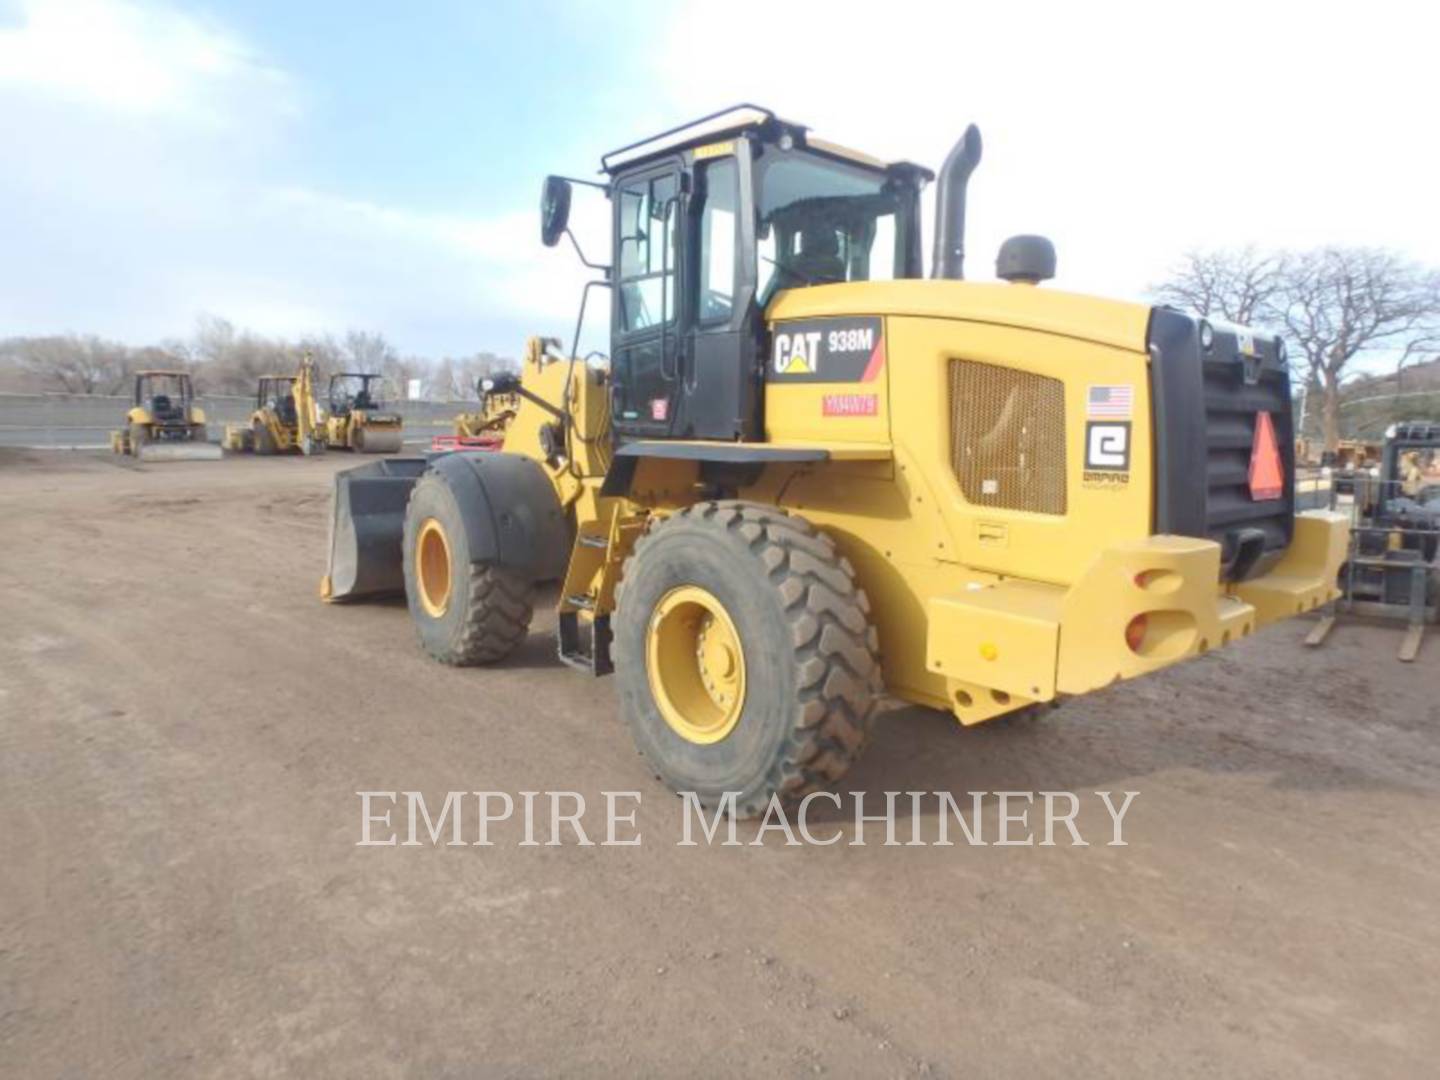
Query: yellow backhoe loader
(810, 475)
(164, 423)
(357, 419)
(287, 416)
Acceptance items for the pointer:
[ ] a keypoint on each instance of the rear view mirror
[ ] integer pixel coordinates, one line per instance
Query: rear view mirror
(554, 209)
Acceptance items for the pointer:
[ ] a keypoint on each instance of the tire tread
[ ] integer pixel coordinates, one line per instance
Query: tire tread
(835, 649)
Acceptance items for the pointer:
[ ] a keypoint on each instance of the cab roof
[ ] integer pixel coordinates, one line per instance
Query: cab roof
(736, 120)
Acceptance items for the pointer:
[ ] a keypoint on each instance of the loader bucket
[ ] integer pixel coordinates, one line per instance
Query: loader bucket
(176, 450)
(367, 527)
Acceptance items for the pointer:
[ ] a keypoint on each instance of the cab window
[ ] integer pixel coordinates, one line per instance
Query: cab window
(822, 221)
(647, 226)
(718, 220)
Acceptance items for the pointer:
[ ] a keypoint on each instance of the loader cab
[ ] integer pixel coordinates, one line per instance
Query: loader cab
(350, 391)
(277, 393)
(165, 395)
(710, 221)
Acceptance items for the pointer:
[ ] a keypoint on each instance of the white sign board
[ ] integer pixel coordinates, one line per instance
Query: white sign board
(413, 390)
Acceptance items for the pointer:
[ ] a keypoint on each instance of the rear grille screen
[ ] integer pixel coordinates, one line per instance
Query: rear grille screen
(1007, 437)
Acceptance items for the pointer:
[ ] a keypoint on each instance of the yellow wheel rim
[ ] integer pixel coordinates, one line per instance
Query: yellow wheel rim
(432, 568)
(696, 665)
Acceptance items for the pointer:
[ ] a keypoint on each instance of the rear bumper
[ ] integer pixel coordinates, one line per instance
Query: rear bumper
(1006, 645)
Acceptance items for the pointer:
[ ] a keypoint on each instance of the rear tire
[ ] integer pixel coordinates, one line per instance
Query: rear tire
(465, 612)
(263, 441)
(139, 436)
(199, 434)
(811, 669)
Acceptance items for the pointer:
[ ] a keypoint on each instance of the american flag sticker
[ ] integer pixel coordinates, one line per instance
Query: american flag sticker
(1110, 402)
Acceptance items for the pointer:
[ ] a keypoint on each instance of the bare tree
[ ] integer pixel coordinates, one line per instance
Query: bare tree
(228, 359)
(74, 364)
(367, 352)
(1237, 286)
(1334, 304)
(1341, 303)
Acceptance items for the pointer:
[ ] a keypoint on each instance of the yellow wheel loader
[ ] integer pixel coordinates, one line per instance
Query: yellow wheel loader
(357, 419)
(164, 423)
(484, 429)
(809, 475)
(287, 416)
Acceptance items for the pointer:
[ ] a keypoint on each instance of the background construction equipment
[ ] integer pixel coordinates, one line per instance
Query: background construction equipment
(287, 416)
(357, 419)
(1393, 567)
(164, 423)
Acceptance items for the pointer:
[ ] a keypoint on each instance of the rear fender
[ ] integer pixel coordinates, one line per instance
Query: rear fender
(512, 514)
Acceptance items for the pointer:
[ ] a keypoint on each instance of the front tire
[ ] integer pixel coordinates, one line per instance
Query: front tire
(263, 441)
(465, 612)
(808, 664)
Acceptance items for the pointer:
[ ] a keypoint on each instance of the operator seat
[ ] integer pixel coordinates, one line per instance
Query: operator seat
(819, 261)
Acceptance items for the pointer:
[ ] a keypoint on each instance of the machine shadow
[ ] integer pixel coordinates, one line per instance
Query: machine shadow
(1101, 742)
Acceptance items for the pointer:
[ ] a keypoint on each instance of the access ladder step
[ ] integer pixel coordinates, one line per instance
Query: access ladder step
(592, 656)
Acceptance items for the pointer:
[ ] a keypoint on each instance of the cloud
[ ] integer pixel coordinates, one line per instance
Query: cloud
(132, 59)
(485, 267)
(158, 164)
(151, 176)
(1127, 131)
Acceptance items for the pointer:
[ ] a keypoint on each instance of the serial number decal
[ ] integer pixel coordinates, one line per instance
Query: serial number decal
(842, 350)
(850, 405)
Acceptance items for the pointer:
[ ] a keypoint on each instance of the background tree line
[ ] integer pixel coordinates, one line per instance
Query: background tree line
(1341, 310)
(1363, 326)
(227, 360)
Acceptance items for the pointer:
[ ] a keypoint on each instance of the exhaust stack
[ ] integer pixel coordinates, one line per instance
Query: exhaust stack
(949, 257)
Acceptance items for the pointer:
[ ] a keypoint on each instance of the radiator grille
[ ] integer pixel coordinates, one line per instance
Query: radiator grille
(1007, 437)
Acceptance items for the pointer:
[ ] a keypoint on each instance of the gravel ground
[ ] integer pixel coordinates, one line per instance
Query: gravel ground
(184, 729)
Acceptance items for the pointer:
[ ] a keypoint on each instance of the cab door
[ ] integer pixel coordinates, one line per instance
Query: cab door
(647, 349)
(721, 391)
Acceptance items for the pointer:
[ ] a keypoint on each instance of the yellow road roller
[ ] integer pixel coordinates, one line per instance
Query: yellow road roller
(358, 419)
(164, 423)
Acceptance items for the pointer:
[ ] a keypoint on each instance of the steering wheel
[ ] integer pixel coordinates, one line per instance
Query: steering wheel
(786, 268)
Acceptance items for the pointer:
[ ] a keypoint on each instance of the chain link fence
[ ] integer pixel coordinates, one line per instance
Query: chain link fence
(84, 421)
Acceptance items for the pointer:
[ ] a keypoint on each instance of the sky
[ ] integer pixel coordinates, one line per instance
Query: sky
(321, 166)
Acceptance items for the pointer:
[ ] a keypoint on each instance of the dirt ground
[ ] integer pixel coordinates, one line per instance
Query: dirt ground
(184, 728)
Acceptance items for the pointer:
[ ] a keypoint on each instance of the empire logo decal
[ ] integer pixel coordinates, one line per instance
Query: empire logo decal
(1107, 454)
